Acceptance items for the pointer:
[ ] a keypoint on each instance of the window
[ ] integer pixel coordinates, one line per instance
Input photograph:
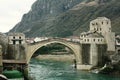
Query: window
(14, 42)
(100, 29)
(109, 29)
(93, 39)
(93, 24)
(13, 37)
(96, 23)
(95, 29)
(20, 42)
(88, 40)
(19, 37)
(98, 40)
(101, 39)
(102, 22)
(85, 40)
(107, 22)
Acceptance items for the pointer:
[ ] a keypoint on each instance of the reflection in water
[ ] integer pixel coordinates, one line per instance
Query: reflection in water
(57, 70)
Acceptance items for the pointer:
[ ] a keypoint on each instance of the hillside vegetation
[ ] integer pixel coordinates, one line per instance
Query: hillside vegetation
(64, 18)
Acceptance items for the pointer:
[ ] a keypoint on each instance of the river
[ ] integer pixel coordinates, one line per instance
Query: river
(59, 70)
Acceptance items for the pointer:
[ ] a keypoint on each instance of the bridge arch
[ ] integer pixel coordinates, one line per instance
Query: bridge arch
(75, 47)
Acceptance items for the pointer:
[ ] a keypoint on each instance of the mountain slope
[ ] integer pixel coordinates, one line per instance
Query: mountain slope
(66, 17)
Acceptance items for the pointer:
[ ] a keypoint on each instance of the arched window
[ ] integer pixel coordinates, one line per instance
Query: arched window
(100, 29)
(94, 40)
(20, 42)
(14, 42)
(93, 24)
(102, 22)
(96, 23)
(107, 22)
(98, 40)
(88, 40)
(95, 29)
(20, 37)
(13, 37)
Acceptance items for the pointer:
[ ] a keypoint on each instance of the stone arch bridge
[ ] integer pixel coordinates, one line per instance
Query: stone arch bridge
(29, 49)
(75, 47)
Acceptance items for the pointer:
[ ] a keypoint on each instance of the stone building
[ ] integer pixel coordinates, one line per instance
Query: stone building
(98, 42)
(16, 42)
(16, 38)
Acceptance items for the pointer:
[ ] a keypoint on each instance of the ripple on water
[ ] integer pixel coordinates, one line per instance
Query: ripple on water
(57, 70)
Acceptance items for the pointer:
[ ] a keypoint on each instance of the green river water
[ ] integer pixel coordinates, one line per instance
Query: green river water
(58, 70)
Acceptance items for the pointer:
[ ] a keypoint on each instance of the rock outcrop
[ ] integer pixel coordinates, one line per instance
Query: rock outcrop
(63, 18)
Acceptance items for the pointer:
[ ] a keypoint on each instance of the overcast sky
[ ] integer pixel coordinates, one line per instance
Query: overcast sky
(11, 12)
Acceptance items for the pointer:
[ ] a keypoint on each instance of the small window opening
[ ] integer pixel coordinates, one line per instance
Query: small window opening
(88, 40)
(14, 37)
(20, 42)
(96, 23)
(19, 37)
(14, 42)
(107, 22)
(102, 22)
(98, 40)
(93, 24)
(95, 29)
(100, 29)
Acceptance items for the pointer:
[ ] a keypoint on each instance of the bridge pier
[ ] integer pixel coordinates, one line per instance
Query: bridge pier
(93, 54)
(79, 55)
(25, 72)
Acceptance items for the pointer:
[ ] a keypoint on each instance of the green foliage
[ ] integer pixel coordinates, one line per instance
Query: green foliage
(50, 48)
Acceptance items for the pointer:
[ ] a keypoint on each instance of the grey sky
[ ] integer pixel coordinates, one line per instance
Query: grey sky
(11, 12)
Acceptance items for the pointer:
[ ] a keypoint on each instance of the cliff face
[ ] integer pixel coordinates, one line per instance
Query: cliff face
(66, 17)
(42, 15)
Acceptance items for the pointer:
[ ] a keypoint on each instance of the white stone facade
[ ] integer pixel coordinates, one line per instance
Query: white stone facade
(85, 39)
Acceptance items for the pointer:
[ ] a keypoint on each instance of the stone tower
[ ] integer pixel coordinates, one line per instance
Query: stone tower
(102, 25)
(16, 47)
(98, 41)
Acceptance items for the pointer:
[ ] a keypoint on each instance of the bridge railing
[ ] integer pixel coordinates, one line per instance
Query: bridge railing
(55, 39)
